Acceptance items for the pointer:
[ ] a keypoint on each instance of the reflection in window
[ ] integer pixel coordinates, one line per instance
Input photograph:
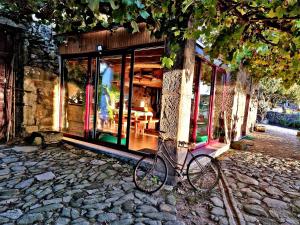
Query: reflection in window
(201, 104)
(217, 122)
(109, 100)
(204, 104)
(75, 80)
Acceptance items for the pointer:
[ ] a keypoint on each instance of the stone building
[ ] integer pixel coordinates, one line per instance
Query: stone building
(115, 93)
(28, 79)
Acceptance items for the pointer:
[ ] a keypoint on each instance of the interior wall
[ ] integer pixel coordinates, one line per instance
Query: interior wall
(139, 94)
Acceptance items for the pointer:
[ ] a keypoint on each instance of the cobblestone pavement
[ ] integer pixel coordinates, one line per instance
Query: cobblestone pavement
(70, 186)
(67, 186)
(265, 180)
(267, 189)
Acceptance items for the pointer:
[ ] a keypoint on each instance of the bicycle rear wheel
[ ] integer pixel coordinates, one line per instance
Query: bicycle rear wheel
(150, 173)
(203, 172)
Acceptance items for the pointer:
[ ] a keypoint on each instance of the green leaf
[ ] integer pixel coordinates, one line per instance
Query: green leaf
(280, 11)
(177, 33)
(187, 4)
(144, 14)
(292, 2)
(135, 27)
(94, 5)
(297, 24)
(272, 14)
(262, 49)
(167, 62)
(113, 5)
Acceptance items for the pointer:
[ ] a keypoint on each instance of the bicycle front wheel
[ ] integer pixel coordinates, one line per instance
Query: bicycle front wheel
(203, 172)
(150, 173)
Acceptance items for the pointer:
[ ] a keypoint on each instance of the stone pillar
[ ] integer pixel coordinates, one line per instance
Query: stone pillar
(176, 102)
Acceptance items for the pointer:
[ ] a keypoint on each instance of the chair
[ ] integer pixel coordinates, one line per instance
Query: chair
(140, 125)
(152, 123)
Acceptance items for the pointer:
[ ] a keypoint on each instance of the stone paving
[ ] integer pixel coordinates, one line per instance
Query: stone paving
(67, 186)
(267, 189)
(265, 180)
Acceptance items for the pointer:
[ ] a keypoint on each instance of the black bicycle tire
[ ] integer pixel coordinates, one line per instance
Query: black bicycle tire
(213, 161)
(137, 165)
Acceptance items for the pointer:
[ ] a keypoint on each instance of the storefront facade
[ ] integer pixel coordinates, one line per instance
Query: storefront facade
(113, 88)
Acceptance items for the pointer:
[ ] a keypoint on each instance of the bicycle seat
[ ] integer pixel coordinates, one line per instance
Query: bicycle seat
(183, 144)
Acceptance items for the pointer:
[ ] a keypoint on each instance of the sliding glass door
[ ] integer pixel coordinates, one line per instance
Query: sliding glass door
(75, 77)
(96, 94)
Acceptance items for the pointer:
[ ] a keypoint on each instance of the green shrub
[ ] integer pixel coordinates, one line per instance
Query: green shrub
(283, 122)
(296, 124)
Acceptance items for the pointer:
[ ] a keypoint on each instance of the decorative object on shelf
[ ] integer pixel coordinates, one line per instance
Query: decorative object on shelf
(78, 98)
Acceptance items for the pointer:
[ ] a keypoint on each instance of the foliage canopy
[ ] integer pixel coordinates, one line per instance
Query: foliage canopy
(262, 35)
(274, 91)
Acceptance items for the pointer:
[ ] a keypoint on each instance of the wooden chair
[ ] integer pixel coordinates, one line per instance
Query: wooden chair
(152, 123)
(140, 125)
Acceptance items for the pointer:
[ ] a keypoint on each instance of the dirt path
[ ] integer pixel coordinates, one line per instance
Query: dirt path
(276, 141)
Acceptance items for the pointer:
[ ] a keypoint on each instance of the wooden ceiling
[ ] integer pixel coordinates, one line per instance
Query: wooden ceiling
(147, 66)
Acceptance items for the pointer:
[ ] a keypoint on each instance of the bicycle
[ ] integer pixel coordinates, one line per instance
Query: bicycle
(151, 171)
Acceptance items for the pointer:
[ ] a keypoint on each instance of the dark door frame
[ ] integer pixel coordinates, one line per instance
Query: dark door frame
(97, 57)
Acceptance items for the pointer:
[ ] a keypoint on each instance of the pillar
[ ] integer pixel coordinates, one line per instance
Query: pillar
(176, 103)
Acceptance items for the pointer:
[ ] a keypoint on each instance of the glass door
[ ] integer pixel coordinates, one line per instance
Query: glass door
(112, 99)
(74, 103)
(96, 95)
(77, 115)
(202, 103)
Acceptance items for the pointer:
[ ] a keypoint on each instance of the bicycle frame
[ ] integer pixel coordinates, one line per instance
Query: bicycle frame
(163, 149)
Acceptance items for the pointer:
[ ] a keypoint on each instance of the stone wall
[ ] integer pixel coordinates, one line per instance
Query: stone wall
(171, 103)
(283, 119)
(41, 99)
(41, 80)
(241, 114)
(229, 90)
(252, 116)
(218, 105)
(40, 48)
